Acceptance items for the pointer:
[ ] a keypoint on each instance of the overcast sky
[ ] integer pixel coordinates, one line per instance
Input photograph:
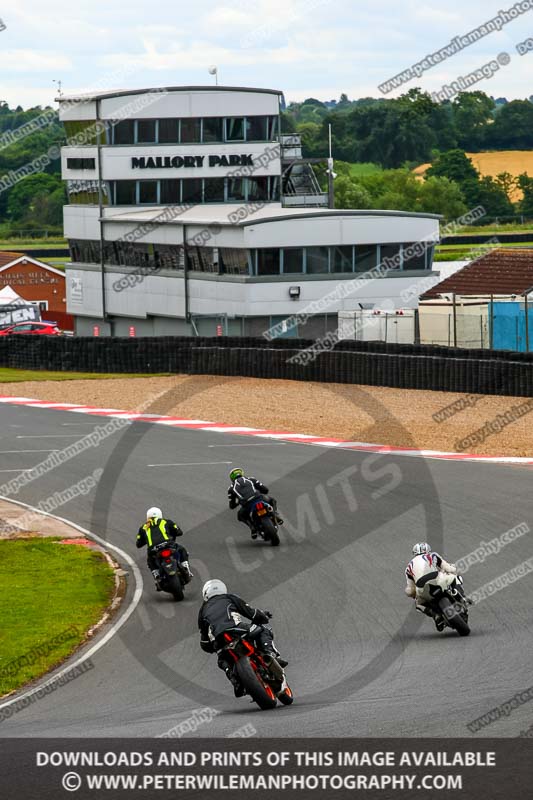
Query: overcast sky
(316, 48)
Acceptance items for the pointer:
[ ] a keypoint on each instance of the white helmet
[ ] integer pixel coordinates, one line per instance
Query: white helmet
(154, 513)
(214, 587)
(421, 548)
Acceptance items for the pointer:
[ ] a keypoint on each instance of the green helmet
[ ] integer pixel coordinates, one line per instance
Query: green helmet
(236, 473)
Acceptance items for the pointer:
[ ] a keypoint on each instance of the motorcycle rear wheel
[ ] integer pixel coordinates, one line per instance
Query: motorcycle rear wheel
(174, 586)
(453, 617)
(261, 693)
(270, 532)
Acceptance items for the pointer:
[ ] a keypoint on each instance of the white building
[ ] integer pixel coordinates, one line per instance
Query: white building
(188, 211)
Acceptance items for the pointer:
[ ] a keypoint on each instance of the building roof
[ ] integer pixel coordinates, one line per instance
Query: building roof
(501, 272)
(231, 214)
(8, 260)
(126, 92)
(6, 257)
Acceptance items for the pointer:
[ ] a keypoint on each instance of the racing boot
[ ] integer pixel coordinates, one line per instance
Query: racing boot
(187, 574)
(156, 576)
(238, 688)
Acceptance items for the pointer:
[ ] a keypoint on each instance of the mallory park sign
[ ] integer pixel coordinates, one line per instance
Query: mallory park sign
(175, 162)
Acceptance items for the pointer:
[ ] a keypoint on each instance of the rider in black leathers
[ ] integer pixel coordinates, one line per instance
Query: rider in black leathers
(243, 491)
(221, 612)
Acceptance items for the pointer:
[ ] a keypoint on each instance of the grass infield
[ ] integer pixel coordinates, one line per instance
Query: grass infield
(51, 595)
(8, 375)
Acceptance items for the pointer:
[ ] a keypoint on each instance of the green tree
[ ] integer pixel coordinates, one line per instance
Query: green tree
(454, 165)
(441, 196)
(525, 183)
(472, 114)
(513, 126)
(26, 197)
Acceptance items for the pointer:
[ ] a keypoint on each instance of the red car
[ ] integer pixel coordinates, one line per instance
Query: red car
(45, 328)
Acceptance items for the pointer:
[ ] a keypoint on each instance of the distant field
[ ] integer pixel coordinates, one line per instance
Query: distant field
(494, 162)
(364, 168)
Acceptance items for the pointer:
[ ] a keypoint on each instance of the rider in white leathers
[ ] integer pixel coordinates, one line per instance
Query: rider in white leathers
(428, 568)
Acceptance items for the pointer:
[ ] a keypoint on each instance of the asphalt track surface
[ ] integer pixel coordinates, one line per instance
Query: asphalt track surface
(362, 661)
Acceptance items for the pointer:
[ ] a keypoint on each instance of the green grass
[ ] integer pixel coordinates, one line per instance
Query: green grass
(50, 591)
(358, 169)
(42, 244)
(8, 375)
(512, 227)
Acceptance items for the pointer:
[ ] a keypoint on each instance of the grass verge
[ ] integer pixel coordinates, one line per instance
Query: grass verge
(51, 595)
(8, 375)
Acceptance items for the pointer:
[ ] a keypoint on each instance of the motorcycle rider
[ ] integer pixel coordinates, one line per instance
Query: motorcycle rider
(427, 567)
(221, 612)
(242, 492)
(154, 532)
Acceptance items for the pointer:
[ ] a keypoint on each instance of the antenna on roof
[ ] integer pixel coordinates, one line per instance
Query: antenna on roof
(213, 70)
(59, 84)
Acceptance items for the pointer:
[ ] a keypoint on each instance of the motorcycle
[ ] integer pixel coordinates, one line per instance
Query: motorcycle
(260, 674)
(448, 600)
(264, 522)
(171, 577)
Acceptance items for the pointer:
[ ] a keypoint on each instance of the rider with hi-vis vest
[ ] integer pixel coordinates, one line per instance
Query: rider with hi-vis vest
(156, 531)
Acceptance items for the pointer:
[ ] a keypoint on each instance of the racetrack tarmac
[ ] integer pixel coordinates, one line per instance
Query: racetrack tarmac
(362, 661)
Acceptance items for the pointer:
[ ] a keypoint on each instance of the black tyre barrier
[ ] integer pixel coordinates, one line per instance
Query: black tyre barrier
(371, 363)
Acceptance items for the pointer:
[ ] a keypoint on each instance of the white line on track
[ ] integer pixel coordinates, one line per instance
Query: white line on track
(47, 436)
(114, 628)
(191, 464)
(48, 450)
(258, 444)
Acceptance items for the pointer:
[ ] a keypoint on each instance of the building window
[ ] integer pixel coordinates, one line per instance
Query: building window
(258, 188)
(413, 261)
(233, 261)
(201, 259)
(212, 129)
(170, 192)
(365, 257)
(293, 259)
(83, 132)
(342, 258)
(317, 260)
(148, 192)
(192, 190)
(146, 131)
(213, 190)
(190, 131)
(86, 192)
(124, 132)
(268, 261)
(81, 163)
(169, 131)
(168, 256)
(390, 256)
(235, 129)
(272, 129)
(125, 193)
(256, 129)
(235, 189)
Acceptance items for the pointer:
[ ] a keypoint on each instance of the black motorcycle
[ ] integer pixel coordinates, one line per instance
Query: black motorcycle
(450, 602)
(263, 519)
(260, 674)
(171, 576)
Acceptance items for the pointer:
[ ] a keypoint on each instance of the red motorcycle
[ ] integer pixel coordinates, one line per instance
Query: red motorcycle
(260, 674)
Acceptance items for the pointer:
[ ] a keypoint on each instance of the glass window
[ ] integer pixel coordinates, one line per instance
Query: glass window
(390, 256)
(272, 132)
(235, 129)
(341, 258)
(169, 131)
(235, 189)
(125, 193)
(257, 188)
(81, 163)
(201, 259)
(82, 132)
(212, 129)
(317, 260)
(148, 192)
(274, 187)
(146, 130)
(233, 260)
(268, 261)
(365, 257)
(192, 190)
(411, 260)
(170, 191)
(256, 129)
(293, 259)
(214, 190)
(123, 132)
(190, 131)
(168, 256)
